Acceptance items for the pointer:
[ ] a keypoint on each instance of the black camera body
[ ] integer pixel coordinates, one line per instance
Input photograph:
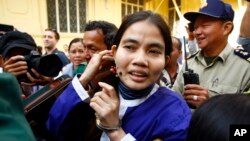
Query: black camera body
(5, 28)
(190, 77)
(49, 65)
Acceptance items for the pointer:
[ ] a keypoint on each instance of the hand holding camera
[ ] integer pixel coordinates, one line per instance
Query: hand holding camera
(21, 67)
(16, 65)
(43, 67)
(36, 78)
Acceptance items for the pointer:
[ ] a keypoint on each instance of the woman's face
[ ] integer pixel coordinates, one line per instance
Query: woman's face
(140, 57)
(76, 53)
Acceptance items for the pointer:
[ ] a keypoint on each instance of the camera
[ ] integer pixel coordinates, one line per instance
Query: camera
(5, 28)
(49, 65)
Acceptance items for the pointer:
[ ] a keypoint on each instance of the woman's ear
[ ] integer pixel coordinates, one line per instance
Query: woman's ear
(114, 49)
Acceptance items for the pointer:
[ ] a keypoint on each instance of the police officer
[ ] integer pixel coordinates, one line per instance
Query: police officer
(221, 69)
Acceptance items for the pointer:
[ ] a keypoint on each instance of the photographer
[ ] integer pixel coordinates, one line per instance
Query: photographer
(18, 56)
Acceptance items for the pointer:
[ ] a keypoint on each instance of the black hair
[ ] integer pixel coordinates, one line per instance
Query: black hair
(212, 120)
(153, 18)
(40, 49)
(75, 40)
(108, 29)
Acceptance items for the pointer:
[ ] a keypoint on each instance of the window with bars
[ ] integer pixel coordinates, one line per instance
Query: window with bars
(131, 6)
(68, 16)
(172, 14)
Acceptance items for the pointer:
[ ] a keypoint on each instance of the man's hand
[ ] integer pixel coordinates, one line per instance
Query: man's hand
(37, 79)
(16, 65)
(94, 65)
(195, 95)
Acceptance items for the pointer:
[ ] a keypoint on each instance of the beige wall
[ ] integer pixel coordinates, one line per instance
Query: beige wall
(26, 15)
(108, 10)
(31, 15)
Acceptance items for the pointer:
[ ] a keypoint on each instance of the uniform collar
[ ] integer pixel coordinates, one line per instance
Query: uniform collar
(222, 56)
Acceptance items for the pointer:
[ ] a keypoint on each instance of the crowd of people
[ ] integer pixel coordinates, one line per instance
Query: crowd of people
(128, 83)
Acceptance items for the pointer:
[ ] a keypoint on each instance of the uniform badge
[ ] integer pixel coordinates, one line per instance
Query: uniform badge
(203, 3)
(239, 51)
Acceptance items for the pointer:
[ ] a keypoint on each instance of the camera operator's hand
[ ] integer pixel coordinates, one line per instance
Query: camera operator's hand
(37, 79)
(16, 65)
(195, 94)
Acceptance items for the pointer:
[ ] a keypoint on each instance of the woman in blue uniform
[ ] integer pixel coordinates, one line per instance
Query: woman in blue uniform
(136, 108)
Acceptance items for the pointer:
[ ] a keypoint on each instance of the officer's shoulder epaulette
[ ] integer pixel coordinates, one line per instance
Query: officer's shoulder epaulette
(191, 56)
(242, 53)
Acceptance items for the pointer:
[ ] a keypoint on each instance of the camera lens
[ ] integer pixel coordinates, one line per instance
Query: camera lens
(50, 65)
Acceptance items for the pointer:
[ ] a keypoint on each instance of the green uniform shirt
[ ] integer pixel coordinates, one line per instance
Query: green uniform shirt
(228, 73)
(13, 124)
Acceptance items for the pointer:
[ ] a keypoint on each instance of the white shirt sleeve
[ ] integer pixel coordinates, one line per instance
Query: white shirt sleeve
(82, 93)
(128, 137)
